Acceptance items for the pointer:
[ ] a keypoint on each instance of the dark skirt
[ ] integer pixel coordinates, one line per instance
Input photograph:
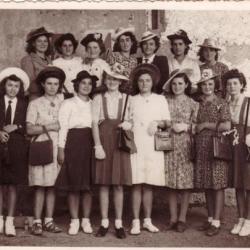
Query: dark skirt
(14, 161)
(75, 174)
(240, 167)
(115, 169)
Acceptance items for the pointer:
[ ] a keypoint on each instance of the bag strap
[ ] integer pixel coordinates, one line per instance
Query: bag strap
(65, 89)
(125, 107)
(246, 119)
(44, 131)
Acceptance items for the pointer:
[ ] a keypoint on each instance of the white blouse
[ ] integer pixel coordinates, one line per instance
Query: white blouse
(74, 113)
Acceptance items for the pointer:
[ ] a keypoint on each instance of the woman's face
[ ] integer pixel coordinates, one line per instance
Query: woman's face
(12, 88)
(178, 86)
(209, 54)
(208, 87)
(149, 47)
(145, 83)
(67, 48)
(112, 83)
(178, 46)
(85, 87)
(41, 44)
(125, 43)
(51, 86)
(93, 50)
(234, 86)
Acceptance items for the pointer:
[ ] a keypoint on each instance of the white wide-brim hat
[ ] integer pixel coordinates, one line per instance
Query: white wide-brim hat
(121, 31)
(114, 72)
(17, 72)
(147, 35)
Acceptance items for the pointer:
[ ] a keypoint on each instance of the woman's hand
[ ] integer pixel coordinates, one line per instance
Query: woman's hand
(125, 125)
(99, 152)
(201, 126)
(180, 127)
(152, 128)
(60, 156)
(53, 126)
(4, 137)
(10, 128)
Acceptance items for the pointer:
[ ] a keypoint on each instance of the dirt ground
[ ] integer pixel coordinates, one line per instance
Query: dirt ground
(190, 238)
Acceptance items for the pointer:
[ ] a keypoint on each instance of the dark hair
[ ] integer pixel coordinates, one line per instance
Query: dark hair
(201, 56)
(216, 85)
(51, 75)
(117, 47)
(187, 45)
(235, 73)
(137, 76)
(157, 43)
(76, 85)
(59, 45)
(31, 48)
(14, 78)
(186, 80)
(100, 43)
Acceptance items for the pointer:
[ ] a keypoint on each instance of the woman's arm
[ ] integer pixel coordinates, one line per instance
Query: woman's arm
(38, 129)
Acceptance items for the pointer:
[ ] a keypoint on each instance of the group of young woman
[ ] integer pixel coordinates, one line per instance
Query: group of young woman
(82, 104)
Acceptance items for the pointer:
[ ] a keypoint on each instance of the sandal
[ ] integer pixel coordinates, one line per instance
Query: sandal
(52, 227)
(37, 229)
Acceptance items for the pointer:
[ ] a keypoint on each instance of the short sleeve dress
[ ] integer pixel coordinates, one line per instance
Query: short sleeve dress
(41, 112)
(179, 169)
(147, 164)
(210, 173)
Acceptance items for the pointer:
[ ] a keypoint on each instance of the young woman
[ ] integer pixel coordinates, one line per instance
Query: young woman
(13, 146)
(149, 44)
(93, 63)
(150, 112)
(75, 151)
(211, 175)
(71, 64)
(208, 55)
(235, 83)
(43, 114)
(123, 55)
(38, 58)
(179, 169)
(113, 168)
(179, 47)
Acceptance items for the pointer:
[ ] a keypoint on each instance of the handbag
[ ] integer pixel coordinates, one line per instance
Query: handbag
(164, 140)
(41, 152)
(245, 132)
(126, 141)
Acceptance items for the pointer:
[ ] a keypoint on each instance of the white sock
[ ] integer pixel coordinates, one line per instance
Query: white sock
(247, 222)
(241, 220)
(147, 220)
(210, 219)
(216, 223)
(47, 220)
(1, 217)
(37, 221)
(9, 219)
(118, 223)
(85, 221)
(74, 220)
(105, 223)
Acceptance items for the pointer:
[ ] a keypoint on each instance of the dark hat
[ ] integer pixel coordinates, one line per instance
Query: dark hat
(62, 38)
(84, 74)
(180, 34)
(51, 71)
(93, 37)
(145, 67)
(38, 32)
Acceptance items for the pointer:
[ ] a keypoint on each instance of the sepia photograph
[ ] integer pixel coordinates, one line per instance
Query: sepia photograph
(125, 127)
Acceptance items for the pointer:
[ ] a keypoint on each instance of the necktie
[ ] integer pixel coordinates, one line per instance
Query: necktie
(146, 60)
(8, 114)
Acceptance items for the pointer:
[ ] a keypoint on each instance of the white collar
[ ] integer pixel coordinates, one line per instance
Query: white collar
(119, 96)
(150, 59)
(7, 99)
(79, 100)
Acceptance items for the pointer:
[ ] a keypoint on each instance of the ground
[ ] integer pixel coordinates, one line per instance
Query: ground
(190, 238)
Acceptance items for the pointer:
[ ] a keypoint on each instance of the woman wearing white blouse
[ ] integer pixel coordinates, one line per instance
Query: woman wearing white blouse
(75, 151)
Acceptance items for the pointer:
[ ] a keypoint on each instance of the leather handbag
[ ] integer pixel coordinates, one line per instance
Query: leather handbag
(164, 140)
(126, 137)
(245, 131)
(41, 152)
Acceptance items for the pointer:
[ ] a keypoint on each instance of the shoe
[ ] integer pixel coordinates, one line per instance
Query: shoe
(1, 225)
(237, 227)
(87, 228)
(135, 230)
(150, 227)
(52, 227)
(37, 229)
(212, 230)
(10, 230)
(171, 226)
(181, 226)
(204, 226)
(102, 231)
(245, 230)
(74, 227)
(120, 233)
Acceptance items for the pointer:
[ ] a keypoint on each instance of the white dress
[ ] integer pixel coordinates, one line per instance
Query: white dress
(71, 68)
(147, 164)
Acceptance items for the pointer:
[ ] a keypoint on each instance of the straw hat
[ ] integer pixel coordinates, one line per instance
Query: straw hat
(119, 31)
(206, 74)
(147, 36)
(116, 71)
(209, 43)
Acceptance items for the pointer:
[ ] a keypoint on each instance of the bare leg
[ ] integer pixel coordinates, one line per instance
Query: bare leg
(12, 200)
(86, 204)
(147, 200)
(172, 199)
(73, 203)
(104, 201)
(39, 202)
(136, 200)
(185, 196)
(118, 201)
(218, 196)
(50, 202)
